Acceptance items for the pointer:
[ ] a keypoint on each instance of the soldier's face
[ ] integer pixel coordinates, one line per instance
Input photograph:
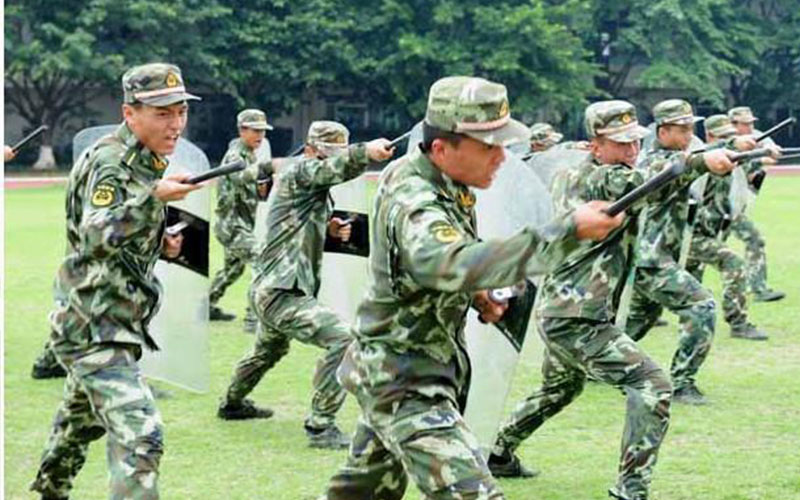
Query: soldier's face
(743, 128)
(471, 162)
(609, 152)
(676, 136)
(158, 128)
(251, 138)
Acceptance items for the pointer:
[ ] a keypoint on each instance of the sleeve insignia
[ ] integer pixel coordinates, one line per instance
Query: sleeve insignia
(445, 233)
(103, 195)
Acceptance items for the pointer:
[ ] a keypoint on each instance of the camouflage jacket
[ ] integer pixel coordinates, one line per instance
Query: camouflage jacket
(660, 240)
(425, 264)
(105, 290)
(237, 199)
(298, 210)
(589, 282)
(715, 212)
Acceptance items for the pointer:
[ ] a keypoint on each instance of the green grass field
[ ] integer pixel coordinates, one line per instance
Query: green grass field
(746, 445)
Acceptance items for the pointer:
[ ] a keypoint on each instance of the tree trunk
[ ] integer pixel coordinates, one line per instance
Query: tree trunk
(46, 160)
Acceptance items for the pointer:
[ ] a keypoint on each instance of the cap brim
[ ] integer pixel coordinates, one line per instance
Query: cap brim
(556, 137)
(724, 132)
(512, 132)
(633, 134)
(169, 99)
(257, 125)
(745, 120)
(689, 120)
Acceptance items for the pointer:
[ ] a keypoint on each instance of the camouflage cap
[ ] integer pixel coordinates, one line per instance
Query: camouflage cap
(474, 107)
(254, 119)
(674, 112)
(741, 114)
(155, 84)
(544, 133)
(720, 126)
(328, 137)
(615, 120)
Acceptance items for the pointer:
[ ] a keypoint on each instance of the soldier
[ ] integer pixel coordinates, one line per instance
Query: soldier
(578, 302)
(660, 281)
(408, 367)
(743, 227)
(288, 278)
(237, 198)
(544, 137)
(106, 293)
(708, 241)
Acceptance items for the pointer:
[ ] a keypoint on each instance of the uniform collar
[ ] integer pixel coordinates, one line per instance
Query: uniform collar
(243, 150)
(446, 187)
(138, 156)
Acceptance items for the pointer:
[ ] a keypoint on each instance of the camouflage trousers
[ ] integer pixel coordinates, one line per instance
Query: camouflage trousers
(421, 437)
(710, 251)
(104, 393)
(232, 269)
(575, 347)
(755, 254)
(286, 315)
(680, 292)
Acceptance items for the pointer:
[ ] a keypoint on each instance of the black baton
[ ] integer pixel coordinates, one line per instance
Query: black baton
(227, 169)
(28, 138)
(675, 169)
(777, 128)
(400, 139)
(753, 154)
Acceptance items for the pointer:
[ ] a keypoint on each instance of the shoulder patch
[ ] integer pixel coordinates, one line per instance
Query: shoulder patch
(444, 232)
(103, 195)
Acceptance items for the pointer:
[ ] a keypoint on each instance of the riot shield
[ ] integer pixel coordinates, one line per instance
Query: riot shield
(547, 163)
(180, 328)
(517, 198)
(344, 270)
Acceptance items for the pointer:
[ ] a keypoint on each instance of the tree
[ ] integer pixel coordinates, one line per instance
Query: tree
(399, 48)
(59, 55)
(694, 45)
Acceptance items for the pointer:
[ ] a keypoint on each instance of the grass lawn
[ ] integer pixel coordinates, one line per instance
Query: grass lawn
(746, 445)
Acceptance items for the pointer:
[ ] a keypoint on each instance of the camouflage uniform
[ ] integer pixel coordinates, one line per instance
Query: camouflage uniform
(105, 294)
(660, 281)
(288, 278)
(237, 198)
(409, 367)
(710, 231)
(575, 310)
(745, 229)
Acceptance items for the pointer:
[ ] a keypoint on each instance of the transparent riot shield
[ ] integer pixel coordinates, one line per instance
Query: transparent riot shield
(516, 199)
(344, 270)
(547, 163)
(180, 328)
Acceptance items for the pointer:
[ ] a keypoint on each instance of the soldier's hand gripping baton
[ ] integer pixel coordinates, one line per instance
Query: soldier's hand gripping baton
(28, 138)
(672, 171)
(227, 169)
(777, 128)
